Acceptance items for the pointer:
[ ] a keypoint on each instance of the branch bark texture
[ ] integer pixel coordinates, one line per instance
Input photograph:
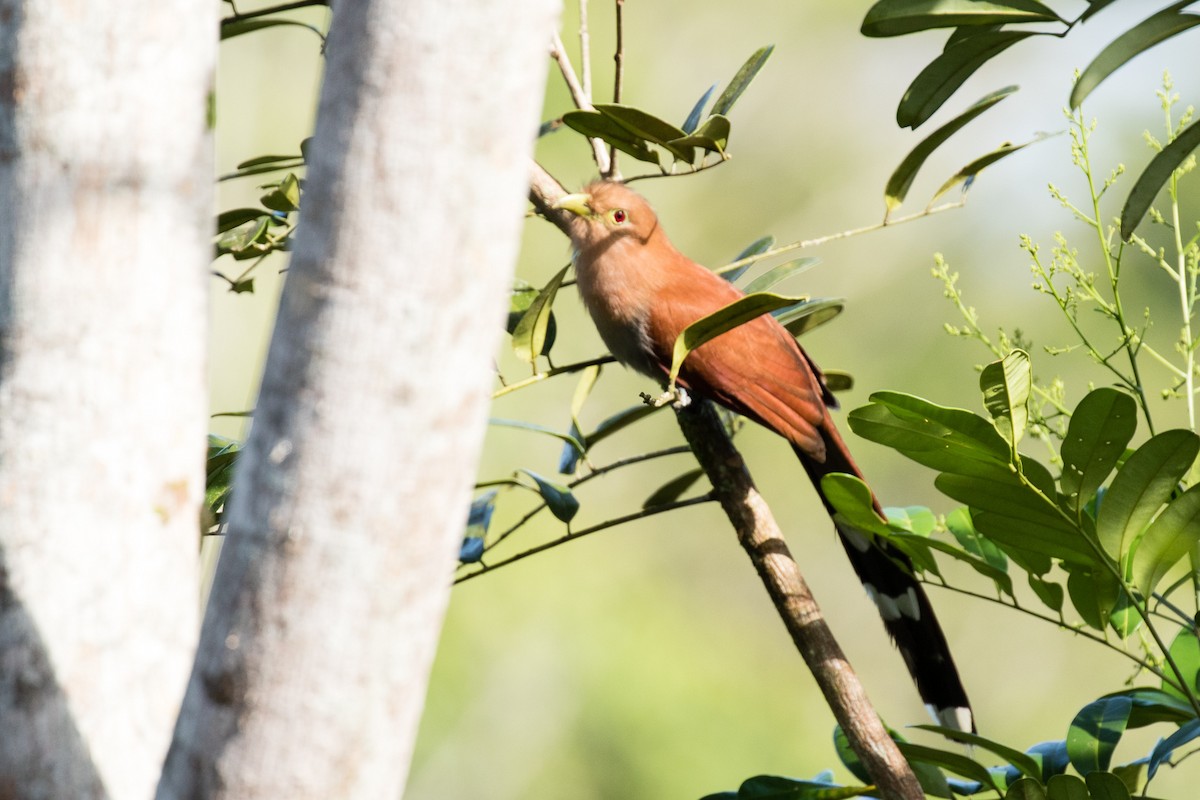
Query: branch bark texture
(350, 502)
(105, 242)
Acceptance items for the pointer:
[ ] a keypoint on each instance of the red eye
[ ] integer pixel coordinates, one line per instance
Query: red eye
(619, 216)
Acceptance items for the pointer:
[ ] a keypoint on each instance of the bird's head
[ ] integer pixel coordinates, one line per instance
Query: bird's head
(608, 213)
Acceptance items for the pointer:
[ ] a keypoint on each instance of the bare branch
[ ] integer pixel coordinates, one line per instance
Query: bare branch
(581, 98)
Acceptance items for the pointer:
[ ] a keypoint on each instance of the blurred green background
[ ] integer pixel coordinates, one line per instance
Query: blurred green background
(646, 661)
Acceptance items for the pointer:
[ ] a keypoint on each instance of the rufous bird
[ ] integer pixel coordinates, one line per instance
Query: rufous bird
(641, 292)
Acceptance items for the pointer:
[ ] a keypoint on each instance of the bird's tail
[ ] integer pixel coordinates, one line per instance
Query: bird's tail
(886, 574)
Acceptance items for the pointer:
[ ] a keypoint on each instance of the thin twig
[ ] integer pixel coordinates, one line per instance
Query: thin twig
(541, 376)
(618, 81)
(266, 12)
(580, 97)
(585, 51)
(643, 514)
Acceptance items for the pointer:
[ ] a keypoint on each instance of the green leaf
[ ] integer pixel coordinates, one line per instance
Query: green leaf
(1100, 429)
(959, 523)
(618, 421)
(1155, 175)
(755, 248)
(1006, 385)
(942, 77)
(1094, 6)
(1143, 484)
(898, 17)
(1024, 763)
(804, 317)
(1013, 515)
(1185, 652)
(1124, 618)
(595, 125)
(1094, 593)
(671, 491)
(772, 787)
(954, 762)
(1130, 44)
(529, 426)
(227, 220)
(1052, 756)
(569, 459)
(239, 239)
(1166, 747)
(559, 500)
(230, 29)
(1106, 786)
(285, 197)
(909, 542)
(741, 80)
(918, 520)
(723, 320)
(1095, 732)
(693, 119)
(1155, 705)
(712, 137)
(261, 160)
(1168, 539)
(529, 336)
(1025, 789)
(945, 439)
(969, 172)
(901, 180)
(521, 298)
(852, 500)
(780, 273)
(1050, 593)
(646, 126)
(1066, 787)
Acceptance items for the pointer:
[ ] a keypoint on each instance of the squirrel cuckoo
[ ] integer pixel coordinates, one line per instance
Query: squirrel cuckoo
(641, 292)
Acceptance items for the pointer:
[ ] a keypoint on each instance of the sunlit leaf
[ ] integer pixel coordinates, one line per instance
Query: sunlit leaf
(1155, 175)
(1185, 652)
(595, 125)
(1006, 385)
(1025, 764)
(1170, 537)
(898, 17)
(725, 319)
(957, 763)
(529, 426)
(972, 169)
(1142, 485)
(804, 317)
(1100, 428)
(901, 180)
(741, 80)
(942, 77)
(645, 126)
(529, 336)
(521, 298)
(1095, 732)
(780, 273)
(1133, 42)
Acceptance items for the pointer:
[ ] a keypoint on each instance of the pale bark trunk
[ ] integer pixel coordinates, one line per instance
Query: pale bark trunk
(351, 498)
(105, 239)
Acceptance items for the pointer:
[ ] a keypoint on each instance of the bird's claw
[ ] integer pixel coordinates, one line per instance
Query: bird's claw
(677, 396)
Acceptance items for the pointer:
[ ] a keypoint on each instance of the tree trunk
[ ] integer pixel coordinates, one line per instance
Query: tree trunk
(351, 498)
(105, 241)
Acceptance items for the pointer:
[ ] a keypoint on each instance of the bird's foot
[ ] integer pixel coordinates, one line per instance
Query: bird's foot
(677, 396)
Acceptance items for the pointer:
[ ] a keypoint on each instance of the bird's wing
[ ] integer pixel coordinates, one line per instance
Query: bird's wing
(756, 369)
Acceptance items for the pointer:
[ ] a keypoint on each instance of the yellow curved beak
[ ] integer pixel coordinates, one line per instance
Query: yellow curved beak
(578, 204)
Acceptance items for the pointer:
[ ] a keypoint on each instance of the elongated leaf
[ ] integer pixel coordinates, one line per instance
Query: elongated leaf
(1166, 747)
(1006, 385)
(851, 498)
(1024, 763)
(569, 460)
(773, 787)
(1133, 42)
(998, 576)
(529, 337)
(739, 312)
(523, 295)
(529, 426)
(1094, 6)
(1155, 175)
(693, 119)
(945, 439)
(713, 137)
(1095, 732)
(261, 160)
(1142, 485)
(959, 523)
(901, 180)
(942, 77)
(804, 317)
(595, 125)
(755, 248)
(227, 220)
(741, 80)
(1101, 427)
(898, 17)
(1012, 515)
(241, 27)
(968, 173)
(559, 500)
(1185, 652)
(780, 273)
(954, 762)
(618, 421)
(1154, 705)
(645, 126)
(1168, 539)
(671, 491)
(1051, 756)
